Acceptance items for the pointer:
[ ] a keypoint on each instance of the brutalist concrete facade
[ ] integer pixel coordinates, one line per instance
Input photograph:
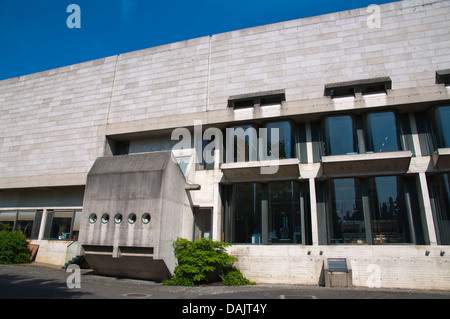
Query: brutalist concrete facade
(55, 124)
(134, 208)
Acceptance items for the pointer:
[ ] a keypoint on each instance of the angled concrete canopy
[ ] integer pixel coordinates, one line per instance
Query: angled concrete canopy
(368, 163)
(134, 207)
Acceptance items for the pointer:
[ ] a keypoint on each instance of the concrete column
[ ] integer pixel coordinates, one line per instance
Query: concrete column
(415, 136)
(217, 215)
(42, 226)
(265, 216)
(425, 203)
(309, 146)
(314, 223)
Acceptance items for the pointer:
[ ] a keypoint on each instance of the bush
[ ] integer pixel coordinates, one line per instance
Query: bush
(233, 277)
(200, 262)
(13, 248)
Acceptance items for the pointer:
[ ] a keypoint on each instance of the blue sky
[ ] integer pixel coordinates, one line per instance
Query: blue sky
(34, 35)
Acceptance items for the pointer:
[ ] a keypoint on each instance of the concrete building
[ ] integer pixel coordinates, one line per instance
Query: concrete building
(361, 103)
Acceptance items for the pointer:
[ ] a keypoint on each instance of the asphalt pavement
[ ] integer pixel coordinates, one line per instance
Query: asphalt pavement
(38, 281)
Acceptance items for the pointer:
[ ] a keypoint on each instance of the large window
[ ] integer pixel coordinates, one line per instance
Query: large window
(440, 198)
(63, 224)
(242, 144)
(246, 213)
(285, 213)
(390, 223)
(376, 210)
(345, 214)
(26, 222)
(442, 120)
(339, 135)
(381, 132)
(284, 140)
(267, 213)
(369, 133)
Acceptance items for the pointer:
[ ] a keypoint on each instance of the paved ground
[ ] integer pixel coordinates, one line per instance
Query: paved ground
(45, 282)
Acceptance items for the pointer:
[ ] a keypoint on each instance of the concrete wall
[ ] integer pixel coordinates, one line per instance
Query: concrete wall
(386, 266)
(134, 184)
(53, 123)
(51, 252)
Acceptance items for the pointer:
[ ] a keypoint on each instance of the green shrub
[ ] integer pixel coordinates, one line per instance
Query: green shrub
(233, 277)
(13, 248)
(200, 262)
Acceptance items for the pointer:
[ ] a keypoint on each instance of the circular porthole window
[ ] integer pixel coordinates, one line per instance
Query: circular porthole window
(146, 218)
(118, 218)
(132, 218)
(92, 218)
(105, 218)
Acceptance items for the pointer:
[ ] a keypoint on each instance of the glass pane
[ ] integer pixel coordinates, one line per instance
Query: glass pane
(7, 220)
(346, 218)
(442, 202)
(339, 135)
(388, 210)
(381, 132)
(76, 225)
(25, 222)
(284, 139)
(244, 144)
(284, 213)
(61, 223)
(202, 223)
(442, 116)
(247, 213)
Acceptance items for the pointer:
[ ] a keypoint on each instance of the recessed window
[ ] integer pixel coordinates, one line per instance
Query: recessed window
(242, 144)
(260, 98)
(246, 223)
(92, 218)
(366, 86)
(339, 135)
(443, 77)
(132, 218)
(439, 186)
(441, 117)
(389, 217)
(373, 89)
(118, 218)
(105, 218)
(381, 132)
(281, 140)
(122, 147)
(374, 210)
(243, 104)
(146, 218)
(345, 216)
(342, 92)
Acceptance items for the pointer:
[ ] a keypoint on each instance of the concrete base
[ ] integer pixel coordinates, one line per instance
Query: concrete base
(136, 267)
(374, 266)
(338, 279)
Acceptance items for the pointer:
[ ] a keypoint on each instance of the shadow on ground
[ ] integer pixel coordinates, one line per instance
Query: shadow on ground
(20, 287)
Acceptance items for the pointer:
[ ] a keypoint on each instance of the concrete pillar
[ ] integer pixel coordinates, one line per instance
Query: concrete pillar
(43, 223)
(425, 203)
(314, 220)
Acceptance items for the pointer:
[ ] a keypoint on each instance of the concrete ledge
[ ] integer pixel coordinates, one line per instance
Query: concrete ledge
(77, 179)
(441, 158)
(366, 163)
(260, 170)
